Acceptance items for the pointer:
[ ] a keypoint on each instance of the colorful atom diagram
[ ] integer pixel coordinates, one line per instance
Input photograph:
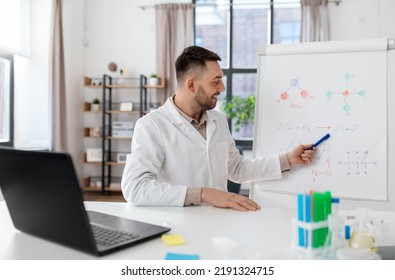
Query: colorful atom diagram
(346, 93)
(294, 84)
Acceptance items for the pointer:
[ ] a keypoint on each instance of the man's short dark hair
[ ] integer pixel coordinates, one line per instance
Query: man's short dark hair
(193, 58)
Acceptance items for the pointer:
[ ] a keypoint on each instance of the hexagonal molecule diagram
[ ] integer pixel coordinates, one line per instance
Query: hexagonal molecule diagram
(346, 93)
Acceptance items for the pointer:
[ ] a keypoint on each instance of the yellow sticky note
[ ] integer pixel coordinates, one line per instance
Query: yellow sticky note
(173, 239)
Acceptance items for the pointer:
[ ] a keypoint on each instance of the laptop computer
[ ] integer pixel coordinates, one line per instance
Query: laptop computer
(44, 199)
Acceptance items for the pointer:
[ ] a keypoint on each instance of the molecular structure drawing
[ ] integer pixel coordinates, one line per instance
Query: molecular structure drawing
(357, 163)
(321, 150)
(294, 85)
(324, 148)
(346, 93)
(324, 172)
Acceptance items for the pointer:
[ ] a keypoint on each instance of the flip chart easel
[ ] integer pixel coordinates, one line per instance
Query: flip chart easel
(339, 87)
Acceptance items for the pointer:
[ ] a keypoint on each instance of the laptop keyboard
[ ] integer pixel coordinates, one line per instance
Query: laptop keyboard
(108, 237)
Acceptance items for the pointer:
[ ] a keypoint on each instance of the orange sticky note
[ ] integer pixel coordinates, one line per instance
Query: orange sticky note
(173, 239)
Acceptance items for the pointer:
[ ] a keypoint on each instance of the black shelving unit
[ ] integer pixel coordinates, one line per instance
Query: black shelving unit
(109, 85)
(111, 111)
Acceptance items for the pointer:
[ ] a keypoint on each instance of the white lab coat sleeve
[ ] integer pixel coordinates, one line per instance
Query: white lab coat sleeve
(242, 170)
(139, 180)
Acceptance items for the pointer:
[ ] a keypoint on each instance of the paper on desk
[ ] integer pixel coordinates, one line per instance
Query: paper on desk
(173, 239)
(175, 256)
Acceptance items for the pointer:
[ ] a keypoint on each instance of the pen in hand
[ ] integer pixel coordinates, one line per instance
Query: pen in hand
(320, 141)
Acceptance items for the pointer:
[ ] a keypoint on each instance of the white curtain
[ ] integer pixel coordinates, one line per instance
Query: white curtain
(315, 21)
(57, 89)
(174, 32)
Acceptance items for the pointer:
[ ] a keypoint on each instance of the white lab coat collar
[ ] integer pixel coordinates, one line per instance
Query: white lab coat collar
(177, 119)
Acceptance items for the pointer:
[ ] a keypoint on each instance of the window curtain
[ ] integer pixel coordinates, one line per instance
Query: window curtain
(57, 89)
(315, 21)
(174, 32)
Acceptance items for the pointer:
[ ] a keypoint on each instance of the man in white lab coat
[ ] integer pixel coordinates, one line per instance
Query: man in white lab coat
(183, 153)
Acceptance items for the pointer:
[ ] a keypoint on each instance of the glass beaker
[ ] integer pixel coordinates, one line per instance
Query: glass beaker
(362, 235)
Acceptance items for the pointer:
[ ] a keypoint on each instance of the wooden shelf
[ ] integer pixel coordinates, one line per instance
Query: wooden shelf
(86, 184)
(91, 162)
(114, 163)
(114, 190)
(87, 133)
(119, 137)
(115, 94)
(87, 187)
(113, 196)
(90, 82)
(122, 112)
(91, 189)
(93, 86)
(162, 85)
(88, 108)
(158, 86)
(124, 86)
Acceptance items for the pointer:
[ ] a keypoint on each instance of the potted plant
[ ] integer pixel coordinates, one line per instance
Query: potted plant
(96, 105)
(122, 73)
(153, 80)
(239, 109)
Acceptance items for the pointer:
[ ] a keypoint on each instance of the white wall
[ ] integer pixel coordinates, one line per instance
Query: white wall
(117, 31)
(97, 32)
(120, 31)
(387, 19)
(362, 19)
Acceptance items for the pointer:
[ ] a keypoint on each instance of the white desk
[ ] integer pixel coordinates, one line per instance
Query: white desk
(264, 234)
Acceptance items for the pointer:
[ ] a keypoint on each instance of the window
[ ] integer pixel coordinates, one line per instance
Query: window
(234, 29)
(14, 39)
(14, 26)
(286, 21)
(6, 99)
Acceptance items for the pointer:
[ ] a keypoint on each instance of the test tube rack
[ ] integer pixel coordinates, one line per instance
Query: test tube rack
(311, 225)
(304, 233)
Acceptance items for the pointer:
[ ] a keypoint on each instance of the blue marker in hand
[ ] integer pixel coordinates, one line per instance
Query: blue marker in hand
(320, 141)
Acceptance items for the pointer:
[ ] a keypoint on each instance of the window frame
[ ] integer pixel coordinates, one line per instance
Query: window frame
(245, 144)
(10, 141)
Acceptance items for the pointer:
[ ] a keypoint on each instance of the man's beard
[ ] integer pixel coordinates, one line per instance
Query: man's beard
(201, 100)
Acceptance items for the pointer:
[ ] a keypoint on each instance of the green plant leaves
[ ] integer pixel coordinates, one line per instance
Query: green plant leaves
(240, 109)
